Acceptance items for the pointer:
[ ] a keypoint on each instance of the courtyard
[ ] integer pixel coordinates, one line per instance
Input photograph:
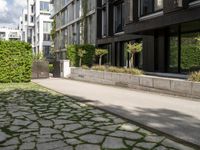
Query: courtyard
(33, 117)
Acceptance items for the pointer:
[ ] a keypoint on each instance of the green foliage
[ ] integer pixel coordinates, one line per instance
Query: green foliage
(132, 49)
(100, 53)
(132, 71)
(85, 67)
(195, 76)
(84, 26)
(15, 61)
(53, 31)
(72, 54)
(99, 68)
(81, 54)
(51, 68)
(38, 56)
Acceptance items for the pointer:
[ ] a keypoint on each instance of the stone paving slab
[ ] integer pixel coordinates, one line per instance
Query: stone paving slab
(35, 118)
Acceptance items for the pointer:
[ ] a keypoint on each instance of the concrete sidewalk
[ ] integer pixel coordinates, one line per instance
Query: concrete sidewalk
(172, 115)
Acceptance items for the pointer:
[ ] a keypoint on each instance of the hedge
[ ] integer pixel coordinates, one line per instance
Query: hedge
(72, 54)
(15, 61)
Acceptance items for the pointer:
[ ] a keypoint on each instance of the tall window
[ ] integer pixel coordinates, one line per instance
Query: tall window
(47, 27)
(119, 17)
(150, 6)
(44, 6)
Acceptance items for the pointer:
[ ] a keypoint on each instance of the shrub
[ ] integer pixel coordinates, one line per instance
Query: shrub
(99, 68)
(51, 68)
(72, 54)
(15, 61)
(116, 69)
(85, 67)
(195, 76)
(132, 71)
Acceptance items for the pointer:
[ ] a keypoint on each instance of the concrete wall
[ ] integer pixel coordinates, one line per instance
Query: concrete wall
(150, 83)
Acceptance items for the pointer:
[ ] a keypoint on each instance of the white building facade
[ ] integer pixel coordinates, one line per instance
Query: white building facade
(69, 15)
(9, 34)
(38, 27)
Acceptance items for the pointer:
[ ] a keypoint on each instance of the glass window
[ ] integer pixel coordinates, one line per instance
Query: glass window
(173, 54)
(184, 53)
(190, 52)
(47, 27)
(119, 17)
(44, 6)
(150, 6)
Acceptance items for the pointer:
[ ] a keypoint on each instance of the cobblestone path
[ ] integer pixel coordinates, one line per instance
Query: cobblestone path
(34, 118)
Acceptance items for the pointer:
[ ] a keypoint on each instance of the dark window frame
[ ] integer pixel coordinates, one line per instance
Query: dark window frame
(153, 10)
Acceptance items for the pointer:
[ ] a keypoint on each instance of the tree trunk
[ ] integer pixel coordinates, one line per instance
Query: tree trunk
(100, 59)
(80, 62)
(133, 60)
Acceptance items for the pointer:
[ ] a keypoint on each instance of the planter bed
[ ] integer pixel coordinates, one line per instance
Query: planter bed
(172, 86)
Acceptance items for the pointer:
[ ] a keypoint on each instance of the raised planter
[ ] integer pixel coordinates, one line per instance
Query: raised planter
(172, 86)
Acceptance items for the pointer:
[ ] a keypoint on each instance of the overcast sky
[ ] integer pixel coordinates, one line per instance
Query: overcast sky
(10, 11)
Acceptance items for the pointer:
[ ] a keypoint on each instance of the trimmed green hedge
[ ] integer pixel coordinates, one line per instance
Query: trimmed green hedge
(15, 61)
(72, 54)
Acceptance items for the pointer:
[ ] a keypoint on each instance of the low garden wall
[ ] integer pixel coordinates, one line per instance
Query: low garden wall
(40, 69)
(177, 87)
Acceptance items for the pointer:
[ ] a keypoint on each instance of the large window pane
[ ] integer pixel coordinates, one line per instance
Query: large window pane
(44, 6)
(173, 54)
(150, 6)
(190, 52)
(119, 17)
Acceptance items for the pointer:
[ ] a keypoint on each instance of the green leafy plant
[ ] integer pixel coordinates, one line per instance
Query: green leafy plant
(72, 54)
(51, 68)
(132, 49)
(195, 76)
(38, 56)
(132, 71)
(99, 68)
(81, 54)
(100, 53)
(15, 61)
(85, 67)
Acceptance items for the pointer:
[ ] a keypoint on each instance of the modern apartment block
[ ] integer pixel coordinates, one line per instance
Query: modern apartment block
(36, 26)
(168, 29)
(9, 34)
(75, 23)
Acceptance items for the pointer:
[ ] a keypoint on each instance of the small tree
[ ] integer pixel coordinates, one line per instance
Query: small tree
(100, 53)
(132, 49)
(81, 54)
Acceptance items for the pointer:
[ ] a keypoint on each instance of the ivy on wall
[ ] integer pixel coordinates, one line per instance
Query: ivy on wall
(84, 26)
(15, 61)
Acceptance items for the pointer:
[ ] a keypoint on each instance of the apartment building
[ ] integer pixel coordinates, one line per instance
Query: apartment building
(75, 23)
(36, 26)
(9, 34)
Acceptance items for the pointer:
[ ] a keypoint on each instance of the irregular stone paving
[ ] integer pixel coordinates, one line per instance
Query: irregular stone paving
(34, 118)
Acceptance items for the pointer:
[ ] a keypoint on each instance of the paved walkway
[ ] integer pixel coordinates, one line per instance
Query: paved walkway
(175, 116)
(34, 118)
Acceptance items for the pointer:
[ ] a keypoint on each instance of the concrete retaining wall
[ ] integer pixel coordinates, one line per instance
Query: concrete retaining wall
(177, 87)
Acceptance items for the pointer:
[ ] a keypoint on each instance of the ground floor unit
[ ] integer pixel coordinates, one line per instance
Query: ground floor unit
(171, 49)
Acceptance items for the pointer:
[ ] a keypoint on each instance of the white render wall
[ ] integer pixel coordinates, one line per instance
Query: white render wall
(10, 33)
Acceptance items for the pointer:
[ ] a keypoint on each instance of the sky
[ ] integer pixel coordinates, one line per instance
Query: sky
(10, 11)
